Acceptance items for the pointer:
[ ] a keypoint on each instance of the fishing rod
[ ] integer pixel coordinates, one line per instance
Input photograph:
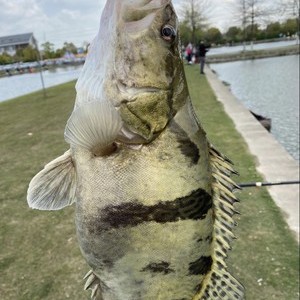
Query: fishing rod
(260, 184)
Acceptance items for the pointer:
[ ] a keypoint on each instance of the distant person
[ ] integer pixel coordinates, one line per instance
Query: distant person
(202, 53)
(189, 52)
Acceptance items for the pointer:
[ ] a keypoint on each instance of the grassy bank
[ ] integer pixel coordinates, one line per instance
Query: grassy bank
(39, 255)
(265, 256)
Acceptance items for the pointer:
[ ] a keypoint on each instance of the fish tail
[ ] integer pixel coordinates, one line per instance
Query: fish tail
(219, 283)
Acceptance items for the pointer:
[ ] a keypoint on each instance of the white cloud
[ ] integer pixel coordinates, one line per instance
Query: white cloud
(74, 21)
(56, 21)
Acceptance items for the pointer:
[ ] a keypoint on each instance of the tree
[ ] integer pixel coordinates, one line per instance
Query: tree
(186, 33)
(195, 16)
(30, 54)
(48, 50)
(85, 46)
(70, 47)
(273, 30)
(234, 34)
(251, 14)
(290, 8)
(290, 27)
(256, 12)
(252, 31)
(59, 53)
(5, 59)
(26, 54)
(213, 35)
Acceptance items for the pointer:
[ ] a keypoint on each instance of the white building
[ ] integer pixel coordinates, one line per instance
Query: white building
(10, 44)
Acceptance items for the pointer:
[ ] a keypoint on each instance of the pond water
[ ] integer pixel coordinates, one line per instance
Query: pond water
(18, 85)
(269, 87)
(260, 46)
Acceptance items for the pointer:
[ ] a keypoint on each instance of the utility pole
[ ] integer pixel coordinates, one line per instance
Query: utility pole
(297, 14)
(193, 22)
(39, 58)
(252, 22)
(244, 24)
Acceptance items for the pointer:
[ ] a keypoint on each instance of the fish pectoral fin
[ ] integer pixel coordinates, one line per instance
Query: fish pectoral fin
(95, 127)
(54, 187)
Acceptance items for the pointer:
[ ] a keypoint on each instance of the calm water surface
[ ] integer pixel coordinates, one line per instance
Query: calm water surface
(260, 46)
(18, 85)
(269, 87)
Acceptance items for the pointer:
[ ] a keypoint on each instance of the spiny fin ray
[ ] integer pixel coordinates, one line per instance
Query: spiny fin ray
(219, 283)
(93, 283)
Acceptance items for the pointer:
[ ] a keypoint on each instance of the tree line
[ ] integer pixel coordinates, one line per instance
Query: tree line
(251, 19)
(31, 53)
(236, 34)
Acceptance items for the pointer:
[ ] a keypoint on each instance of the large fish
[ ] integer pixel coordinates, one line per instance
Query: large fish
(154, 201)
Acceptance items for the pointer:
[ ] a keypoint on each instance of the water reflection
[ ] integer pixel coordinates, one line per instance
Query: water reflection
(18, 85)
(269, 87)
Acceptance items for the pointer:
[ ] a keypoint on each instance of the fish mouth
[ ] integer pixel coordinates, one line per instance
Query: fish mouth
(130, 93)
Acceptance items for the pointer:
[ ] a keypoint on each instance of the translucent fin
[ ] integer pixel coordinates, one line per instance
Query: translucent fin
(94, 125)
(219, 283)
(54, 187)
(94, 284)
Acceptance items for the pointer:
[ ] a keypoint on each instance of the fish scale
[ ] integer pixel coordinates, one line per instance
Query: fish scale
(153, 197)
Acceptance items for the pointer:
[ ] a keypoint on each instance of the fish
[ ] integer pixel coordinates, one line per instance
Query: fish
(154, 199)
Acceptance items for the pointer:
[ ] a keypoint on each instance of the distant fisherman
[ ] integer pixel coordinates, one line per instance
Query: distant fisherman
(202, 53)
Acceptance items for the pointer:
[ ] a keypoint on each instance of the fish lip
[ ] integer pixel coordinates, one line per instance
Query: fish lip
(132, 91)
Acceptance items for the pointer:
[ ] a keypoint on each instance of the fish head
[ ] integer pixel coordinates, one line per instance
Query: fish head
(135, 64)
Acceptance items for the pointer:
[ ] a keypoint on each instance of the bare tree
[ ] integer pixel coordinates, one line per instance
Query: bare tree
(195, 15)
(253, 11)
(290, 9)
(250, 13)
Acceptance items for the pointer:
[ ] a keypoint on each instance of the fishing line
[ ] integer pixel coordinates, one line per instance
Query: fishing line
(260, 184)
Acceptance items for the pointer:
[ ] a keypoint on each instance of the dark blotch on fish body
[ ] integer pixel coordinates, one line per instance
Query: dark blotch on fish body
(190, 150)
(161, 267)
(192, 207)
(201, 266)
(186, 146)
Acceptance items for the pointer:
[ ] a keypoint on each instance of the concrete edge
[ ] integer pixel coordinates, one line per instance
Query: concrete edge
(273, 162)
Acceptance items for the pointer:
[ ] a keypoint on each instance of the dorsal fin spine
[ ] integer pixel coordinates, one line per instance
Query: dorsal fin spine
(223, 201)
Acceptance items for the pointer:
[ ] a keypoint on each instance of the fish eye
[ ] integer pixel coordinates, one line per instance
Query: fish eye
(168, 33)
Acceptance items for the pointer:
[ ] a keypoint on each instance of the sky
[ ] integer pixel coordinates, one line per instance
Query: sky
(76, 21)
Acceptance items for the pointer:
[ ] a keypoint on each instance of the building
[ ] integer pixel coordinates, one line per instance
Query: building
(10, 44)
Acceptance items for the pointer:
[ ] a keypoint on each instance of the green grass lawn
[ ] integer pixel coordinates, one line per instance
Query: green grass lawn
(39, 255)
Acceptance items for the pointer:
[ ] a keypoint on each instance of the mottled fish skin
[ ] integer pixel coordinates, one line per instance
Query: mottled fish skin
(145, 237)
(154, 200)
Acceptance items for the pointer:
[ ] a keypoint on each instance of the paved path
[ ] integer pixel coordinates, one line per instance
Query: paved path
(273, 161)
